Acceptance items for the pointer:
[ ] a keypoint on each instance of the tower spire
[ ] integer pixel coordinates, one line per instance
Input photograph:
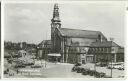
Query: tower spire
(56, 13)
(55, 24)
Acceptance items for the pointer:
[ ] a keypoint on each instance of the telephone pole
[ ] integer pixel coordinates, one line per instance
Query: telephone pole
(111, 39)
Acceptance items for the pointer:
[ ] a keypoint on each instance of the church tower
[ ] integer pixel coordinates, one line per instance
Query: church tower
(55, 23)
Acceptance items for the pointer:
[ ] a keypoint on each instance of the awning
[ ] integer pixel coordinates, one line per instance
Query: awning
(54, 54)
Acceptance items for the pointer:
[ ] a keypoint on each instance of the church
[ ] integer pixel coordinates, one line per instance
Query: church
(72, 44)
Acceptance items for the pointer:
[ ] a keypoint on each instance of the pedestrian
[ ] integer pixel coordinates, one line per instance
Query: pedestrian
(17, 71)
(7, 70)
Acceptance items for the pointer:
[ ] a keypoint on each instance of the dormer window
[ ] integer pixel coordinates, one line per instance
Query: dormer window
(100, 38)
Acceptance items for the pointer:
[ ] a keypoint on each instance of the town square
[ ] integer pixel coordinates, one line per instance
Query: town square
(64, 40)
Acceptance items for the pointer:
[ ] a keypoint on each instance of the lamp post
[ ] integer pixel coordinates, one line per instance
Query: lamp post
(95, 61)
(45, 55)
(111, 39)
(37, 55)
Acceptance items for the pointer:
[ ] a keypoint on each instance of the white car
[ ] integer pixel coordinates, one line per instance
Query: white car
(121, 68)
(115, 65)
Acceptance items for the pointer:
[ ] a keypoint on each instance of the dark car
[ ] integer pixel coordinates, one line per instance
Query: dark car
(120, 68)
(36, 66)
(80, 70)
(20, 66)
(29, 64)
(85, 72)
(75, 67)
(92, 72)
(103, 64)
(100, 75)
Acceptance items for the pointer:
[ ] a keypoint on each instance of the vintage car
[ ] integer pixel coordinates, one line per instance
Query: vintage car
(100, 75)
(121, 67)
(20, 65)
(85, 71)
(115, 65)
(80, 69)
(75, 67)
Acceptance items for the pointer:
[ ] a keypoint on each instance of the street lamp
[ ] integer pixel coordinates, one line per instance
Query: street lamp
(37, 55)
(45, 55)
(94, 51)
(111, 39)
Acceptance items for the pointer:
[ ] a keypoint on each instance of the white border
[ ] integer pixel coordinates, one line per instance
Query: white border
(60, 2)
(2, 39)
(126, 39)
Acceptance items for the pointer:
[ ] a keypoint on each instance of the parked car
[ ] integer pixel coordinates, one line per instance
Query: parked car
(121, 67)
(85, 71)
(20, 66)
(92, 72)
(75, 67)
(28, 63)
(115, 65)
(80, 69)
(101, 75)
(103, 64)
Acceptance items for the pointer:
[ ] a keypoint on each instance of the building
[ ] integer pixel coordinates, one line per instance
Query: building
(120, 55)
(44, 48)
(75, 45)
(106, 52)
(65, 40)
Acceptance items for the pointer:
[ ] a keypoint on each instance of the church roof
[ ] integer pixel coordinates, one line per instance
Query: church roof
(104, 44)
(79, 33)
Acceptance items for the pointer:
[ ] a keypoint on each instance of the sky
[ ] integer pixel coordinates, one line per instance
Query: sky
(30, 22)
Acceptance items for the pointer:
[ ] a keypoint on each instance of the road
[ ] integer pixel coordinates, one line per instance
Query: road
(62, 71)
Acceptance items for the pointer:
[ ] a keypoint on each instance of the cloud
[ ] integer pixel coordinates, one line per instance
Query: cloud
(27, 15)
(31, 22)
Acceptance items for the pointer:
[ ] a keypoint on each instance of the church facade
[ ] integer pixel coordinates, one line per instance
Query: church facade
(72, 44)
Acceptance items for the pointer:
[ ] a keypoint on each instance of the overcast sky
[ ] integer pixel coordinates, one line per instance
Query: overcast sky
(30, 22)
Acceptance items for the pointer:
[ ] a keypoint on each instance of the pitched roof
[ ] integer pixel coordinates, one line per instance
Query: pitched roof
(45, 42)
(79, 33)
(48, 42)
(104, 44)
